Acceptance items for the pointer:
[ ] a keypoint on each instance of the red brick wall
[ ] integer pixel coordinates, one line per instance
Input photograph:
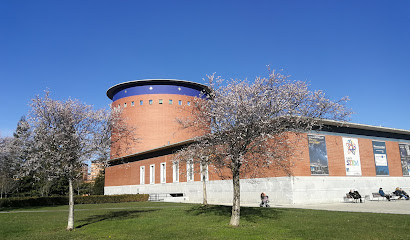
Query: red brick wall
(367, 157)
(128, 174)
(155, 124)
(393, 159)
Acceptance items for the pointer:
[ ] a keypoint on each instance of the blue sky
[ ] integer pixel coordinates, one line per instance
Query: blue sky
(79, 49)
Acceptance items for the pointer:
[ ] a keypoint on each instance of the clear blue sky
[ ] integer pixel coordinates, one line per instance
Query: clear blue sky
(79, 49)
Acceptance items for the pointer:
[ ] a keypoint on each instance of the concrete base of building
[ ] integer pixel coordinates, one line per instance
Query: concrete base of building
(281, 190)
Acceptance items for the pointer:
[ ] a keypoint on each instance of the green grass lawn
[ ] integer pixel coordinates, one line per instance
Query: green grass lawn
(190, 221)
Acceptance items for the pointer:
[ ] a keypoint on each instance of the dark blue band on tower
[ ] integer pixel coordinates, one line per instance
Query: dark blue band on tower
(156, 89)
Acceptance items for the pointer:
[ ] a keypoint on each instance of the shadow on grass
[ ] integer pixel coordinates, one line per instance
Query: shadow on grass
(118, 215)
(250, 214)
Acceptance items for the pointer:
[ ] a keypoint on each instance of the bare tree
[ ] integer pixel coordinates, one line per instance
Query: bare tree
(196, 154)
(65, 135)
(252, 124)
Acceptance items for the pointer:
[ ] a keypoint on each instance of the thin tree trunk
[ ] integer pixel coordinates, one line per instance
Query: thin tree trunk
(70, 224)
(236, 205)
(204, 195)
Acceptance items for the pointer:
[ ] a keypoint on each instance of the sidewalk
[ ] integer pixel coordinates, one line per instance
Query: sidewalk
(394, 207)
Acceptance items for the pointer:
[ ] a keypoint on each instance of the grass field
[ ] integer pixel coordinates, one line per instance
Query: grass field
(190, 221)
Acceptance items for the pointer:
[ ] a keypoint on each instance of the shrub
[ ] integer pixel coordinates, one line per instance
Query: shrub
(53, 201)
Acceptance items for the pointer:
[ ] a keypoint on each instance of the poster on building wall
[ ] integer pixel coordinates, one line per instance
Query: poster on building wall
(352, 157)
(405, 158)
(318, 155)
(380, 158)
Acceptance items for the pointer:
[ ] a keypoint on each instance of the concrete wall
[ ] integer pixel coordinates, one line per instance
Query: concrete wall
(281, 190)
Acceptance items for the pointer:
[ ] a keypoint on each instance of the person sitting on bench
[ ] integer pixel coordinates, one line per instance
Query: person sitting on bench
(400, 194)
(355, 194)
(381, 192)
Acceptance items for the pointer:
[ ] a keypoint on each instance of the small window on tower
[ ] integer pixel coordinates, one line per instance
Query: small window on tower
(150, 102)
(179, 102)
(170, 101)
(141, 102)
(125, 105)
(160, 101)
(188, 103)
(132, 103)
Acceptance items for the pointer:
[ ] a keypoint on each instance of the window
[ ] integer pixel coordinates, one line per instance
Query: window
(152, 174)
(205, 172)
(141, 102)
(160, 101)
(119, 105)
(142, 175)
(163, 173)
(179, 102)
(175, 172)
(170, 101)
(188, 103)
(150, 102)
(189, 172)
(132, 103)
(125, 104)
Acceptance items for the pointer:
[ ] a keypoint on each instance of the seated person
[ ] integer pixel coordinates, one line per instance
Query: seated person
(381, 192)
(399, 193)
(405, 194)
(355, 194)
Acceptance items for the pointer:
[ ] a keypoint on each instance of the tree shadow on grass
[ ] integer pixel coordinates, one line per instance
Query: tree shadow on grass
(118, 215)
(250, 214)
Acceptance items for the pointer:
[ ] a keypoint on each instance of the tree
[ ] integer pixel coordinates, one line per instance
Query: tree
(8, 167)
(252, 124)
(196, 153)
(65, 135)
(98, 187)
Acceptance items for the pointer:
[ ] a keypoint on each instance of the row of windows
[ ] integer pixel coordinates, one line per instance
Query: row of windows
(175, 173)
(160, 101)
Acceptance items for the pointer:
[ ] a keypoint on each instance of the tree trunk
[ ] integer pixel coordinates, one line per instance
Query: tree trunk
(70, 224)
(204, 195)
(236, 205)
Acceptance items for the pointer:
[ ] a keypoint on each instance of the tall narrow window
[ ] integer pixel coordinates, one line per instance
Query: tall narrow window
(142, 175)
(152, 174)
(204, 171)
(141, 102)
(160, 101)
(175, 172)
(179, 102)
(188, 103)
(125, 104)
(132, 103)
(190, 172)
(163, 173)
(170, 101)
(150, 102)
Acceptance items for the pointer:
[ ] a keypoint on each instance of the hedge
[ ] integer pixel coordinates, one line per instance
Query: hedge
(54, 201)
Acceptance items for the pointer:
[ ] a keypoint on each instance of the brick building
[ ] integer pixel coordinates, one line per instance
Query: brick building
(329, 163)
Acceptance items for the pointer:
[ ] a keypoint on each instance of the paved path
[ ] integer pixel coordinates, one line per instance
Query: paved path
(395, 207)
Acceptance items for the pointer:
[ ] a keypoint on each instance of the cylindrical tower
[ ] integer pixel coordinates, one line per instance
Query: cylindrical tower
(152, 107)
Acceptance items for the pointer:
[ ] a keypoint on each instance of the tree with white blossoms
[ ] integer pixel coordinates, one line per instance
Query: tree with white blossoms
(9, 167)
(68, 133)
(251, 123)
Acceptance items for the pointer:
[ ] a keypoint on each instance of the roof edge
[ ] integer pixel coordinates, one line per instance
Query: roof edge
(113, 89)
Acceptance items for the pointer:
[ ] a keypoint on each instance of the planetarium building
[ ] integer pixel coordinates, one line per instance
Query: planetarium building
(339, 157)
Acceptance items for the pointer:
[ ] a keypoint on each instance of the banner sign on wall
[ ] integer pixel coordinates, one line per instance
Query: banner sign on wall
(405, 158)
(380, 158)
(352, 157)
(318, 155)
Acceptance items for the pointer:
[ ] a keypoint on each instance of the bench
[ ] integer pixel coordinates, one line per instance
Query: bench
(378, 196)
(347, 198)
